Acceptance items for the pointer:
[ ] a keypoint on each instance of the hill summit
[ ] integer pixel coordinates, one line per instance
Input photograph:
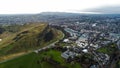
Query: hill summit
(28, 38)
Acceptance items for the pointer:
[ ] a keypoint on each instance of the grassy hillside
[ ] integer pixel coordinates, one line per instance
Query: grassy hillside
(46, 59)
(26, 38)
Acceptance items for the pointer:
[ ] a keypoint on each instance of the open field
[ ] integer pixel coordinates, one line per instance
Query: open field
(40, 60)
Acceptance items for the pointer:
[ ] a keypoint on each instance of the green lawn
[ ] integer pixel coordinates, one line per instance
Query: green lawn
(26, 61)
(31, 61)
(108, 49)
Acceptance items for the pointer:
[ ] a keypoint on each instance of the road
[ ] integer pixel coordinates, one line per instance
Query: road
(47, 47)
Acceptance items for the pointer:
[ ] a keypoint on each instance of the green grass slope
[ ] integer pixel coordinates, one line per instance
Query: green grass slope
(42, 60)
(28, 38)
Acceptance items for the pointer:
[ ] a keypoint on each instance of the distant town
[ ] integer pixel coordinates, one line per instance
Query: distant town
(98, 39)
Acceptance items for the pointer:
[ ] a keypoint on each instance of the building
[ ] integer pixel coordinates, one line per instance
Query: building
(67, 54)
(66, 40)
(85, 50)
(118, 44)
(0, 40)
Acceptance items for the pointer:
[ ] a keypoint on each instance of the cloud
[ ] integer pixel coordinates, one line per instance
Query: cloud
(105, 10)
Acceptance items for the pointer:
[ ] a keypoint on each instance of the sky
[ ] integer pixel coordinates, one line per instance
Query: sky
(37, 6)
(115, 9)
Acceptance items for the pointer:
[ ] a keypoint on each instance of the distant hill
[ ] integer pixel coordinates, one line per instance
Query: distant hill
(52, 17)
(42, 17)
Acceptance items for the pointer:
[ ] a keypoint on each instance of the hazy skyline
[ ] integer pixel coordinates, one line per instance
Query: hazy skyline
(37, 6)
(105, 10)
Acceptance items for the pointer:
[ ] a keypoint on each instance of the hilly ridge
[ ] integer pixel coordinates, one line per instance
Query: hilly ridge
(27, 39)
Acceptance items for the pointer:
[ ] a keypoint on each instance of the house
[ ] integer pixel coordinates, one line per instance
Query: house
(85, 50)
(94, 66)
(82, 44)
(93, 25)
(66, 40)
(114, 37)
(36, 51)
(118, 44)
(67, 54)
(94, 45)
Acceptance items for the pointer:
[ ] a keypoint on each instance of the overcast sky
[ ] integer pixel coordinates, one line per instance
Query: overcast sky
(104, 10)
(37, 6)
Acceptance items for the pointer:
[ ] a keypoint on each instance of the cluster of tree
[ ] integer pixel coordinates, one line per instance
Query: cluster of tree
(48, 36)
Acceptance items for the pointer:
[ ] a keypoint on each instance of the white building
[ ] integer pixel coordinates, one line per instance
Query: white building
(66, 40)
(94, 45)
(85, 50)
(0, 40)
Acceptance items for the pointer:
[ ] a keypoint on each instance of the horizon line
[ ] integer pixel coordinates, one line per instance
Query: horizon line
(56, 12)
